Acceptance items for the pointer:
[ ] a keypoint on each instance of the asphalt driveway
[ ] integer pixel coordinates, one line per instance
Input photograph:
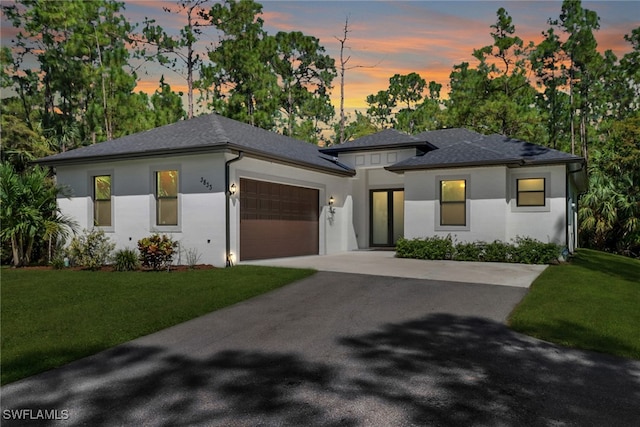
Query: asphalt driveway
(342, 349)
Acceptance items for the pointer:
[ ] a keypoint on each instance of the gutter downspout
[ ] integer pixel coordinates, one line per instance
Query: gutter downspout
(575, 215)
(229, 262)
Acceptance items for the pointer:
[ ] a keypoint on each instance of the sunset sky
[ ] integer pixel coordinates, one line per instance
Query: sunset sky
(389, 37)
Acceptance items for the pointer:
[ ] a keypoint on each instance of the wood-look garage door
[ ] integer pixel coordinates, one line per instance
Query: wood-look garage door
(277, 220)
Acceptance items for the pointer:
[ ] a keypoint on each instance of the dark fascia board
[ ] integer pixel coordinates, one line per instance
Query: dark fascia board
(419, 145)
(400, 169)
(209, 148)
(515, 163)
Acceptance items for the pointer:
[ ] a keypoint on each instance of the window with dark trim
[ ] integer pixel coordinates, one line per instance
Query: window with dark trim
(453, 202)
(102, 201)
(167, 197)
(530, 192)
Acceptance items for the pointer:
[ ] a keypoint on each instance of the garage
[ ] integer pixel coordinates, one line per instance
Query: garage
(277, 220)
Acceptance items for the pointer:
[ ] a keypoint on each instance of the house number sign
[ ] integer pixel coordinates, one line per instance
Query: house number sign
(206, 183)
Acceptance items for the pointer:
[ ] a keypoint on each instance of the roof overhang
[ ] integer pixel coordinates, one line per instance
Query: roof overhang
(209, 148)
(424, 146)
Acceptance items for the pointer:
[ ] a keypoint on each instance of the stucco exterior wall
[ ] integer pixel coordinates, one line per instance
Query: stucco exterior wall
(492, 213)
(371, 175)
(201, 201)
(336, 231)
(200, 208)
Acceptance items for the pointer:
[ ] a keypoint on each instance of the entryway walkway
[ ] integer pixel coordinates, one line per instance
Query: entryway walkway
(384, 263)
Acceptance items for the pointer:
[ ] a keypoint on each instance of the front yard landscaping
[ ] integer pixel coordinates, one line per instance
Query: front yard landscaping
(592, 303)
(52, 317)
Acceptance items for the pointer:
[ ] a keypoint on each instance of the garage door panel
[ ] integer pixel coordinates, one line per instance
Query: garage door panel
(277, 220)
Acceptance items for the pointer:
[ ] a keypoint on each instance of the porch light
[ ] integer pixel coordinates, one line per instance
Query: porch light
(331, 202)
(233, 189)
(231, 259)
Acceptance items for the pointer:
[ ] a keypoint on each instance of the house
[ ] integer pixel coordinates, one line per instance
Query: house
(234, 192)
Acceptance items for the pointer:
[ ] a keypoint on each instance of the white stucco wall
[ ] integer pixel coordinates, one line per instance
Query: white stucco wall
(371, 175)
(336, 231)
(201, 201)
(492, 213)
(200, 212)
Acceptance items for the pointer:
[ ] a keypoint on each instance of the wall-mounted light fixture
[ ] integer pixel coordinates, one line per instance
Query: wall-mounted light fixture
(231, 259)
(233, 189)
(331, 202)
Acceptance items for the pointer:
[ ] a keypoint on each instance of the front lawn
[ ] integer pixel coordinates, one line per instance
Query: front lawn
(592, 303)
(51, 317)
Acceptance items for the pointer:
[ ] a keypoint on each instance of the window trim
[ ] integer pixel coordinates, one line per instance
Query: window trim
(513, 192)
(438, 226)
(91, 176)
(519, 192)
(153, 190)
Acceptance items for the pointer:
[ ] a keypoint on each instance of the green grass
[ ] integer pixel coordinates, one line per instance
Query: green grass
(52, 317)
(593, 303)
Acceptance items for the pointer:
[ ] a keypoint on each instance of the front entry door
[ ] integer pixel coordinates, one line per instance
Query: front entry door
(387, 217)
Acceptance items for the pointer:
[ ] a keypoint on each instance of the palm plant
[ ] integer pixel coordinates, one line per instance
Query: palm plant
(28, 210)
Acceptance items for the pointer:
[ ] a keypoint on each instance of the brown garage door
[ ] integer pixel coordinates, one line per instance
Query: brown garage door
(277, 220)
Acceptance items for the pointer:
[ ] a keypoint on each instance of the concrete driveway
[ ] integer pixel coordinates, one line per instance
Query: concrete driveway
(340, 349)
(384, 263)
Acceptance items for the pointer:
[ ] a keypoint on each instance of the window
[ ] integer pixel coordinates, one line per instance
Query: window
(102, 201)
(453, 202)
(530, 192)
(167, 197)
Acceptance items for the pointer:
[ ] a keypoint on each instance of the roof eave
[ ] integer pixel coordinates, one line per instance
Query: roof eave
(262, 155)
(400, 169)
(209, 148)
(332, 150)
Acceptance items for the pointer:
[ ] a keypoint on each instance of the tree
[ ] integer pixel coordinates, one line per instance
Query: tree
(610, 211)
(82, 73)
(547, 61)
(28, 211)
(381, 107)
(361, 126)
(240, 77)
(580, 46)
(167, 105)
(177, 52)
(305, 74)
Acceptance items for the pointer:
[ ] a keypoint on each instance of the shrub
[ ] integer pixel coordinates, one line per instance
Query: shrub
(57, 263)
(157, 251)
(468, 251)
(126, 260)
(192, 257)
(497, 251)
(525, 250)
(430, 248)
(92, 249)
(531, 251)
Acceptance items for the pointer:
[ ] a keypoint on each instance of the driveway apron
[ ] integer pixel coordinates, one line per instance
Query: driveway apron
(341, 349)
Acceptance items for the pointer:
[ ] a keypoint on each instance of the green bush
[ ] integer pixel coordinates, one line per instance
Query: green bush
(156, 252)
(531, 251)
(126, 260)
(524, 250)
(91, 250)
(430, 248)
(57, 263)
(468, 251)
(497, 251)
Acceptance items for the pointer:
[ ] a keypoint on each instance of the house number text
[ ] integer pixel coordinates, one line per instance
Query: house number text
(206, 183)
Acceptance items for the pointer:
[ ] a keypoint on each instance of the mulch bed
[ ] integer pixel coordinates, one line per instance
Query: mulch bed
(174, 268)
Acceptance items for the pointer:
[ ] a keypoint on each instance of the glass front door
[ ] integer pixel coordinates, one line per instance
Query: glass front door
(387, 217)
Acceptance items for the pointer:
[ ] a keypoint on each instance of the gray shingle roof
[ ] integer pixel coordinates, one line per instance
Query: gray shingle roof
(466, 148)
(388, 138)
(204, 133)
